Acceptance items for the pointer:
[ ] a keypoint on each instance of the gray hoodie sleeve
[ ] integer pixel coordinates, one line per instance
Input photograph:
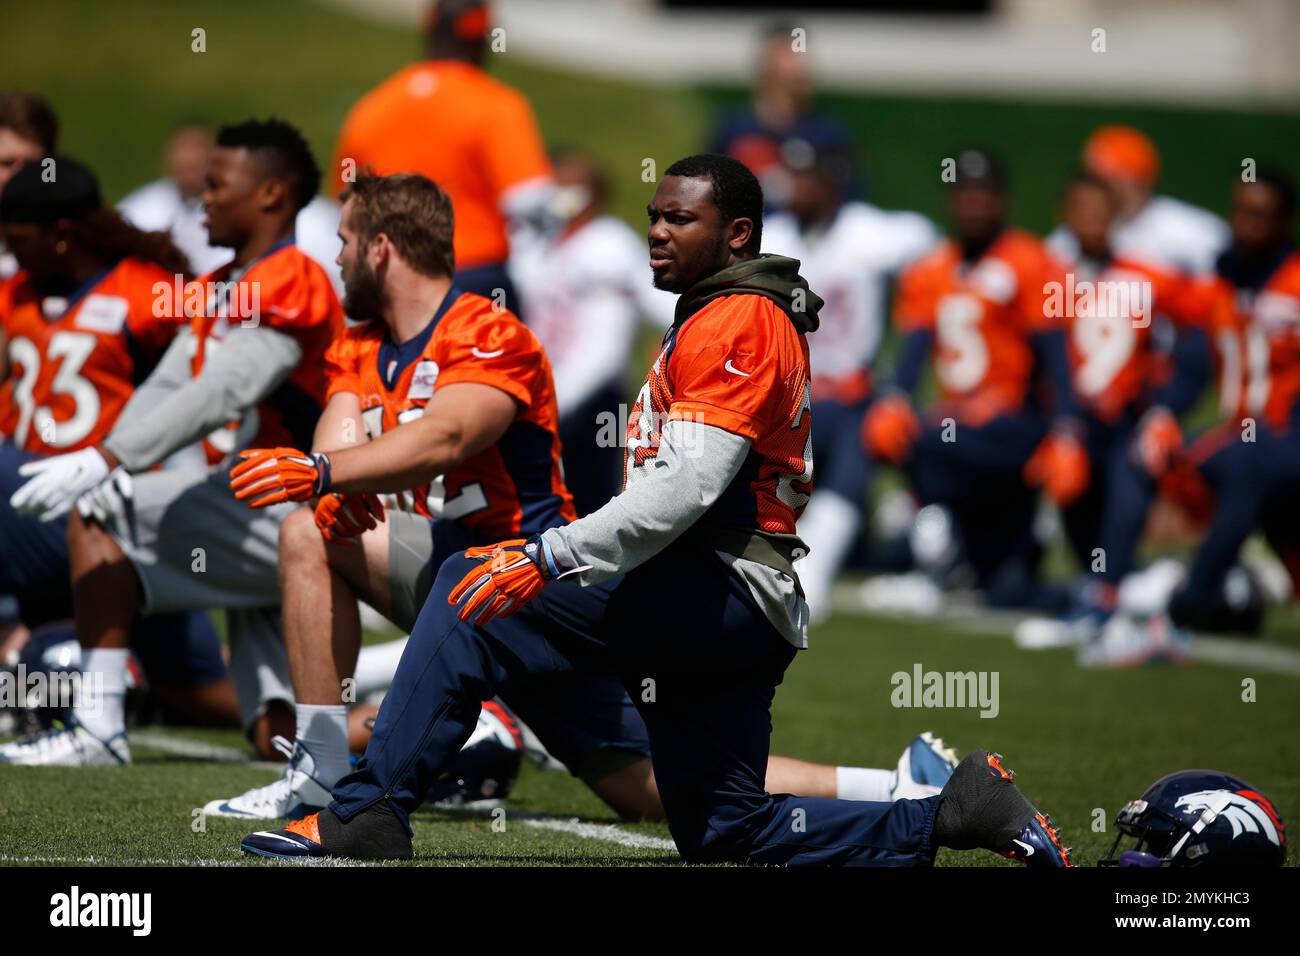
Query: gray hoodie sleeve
(247, 366)
(695, 464)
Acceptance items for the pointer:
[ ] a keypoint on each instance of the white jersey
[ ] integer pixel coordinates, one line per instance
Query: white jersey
(1166, 232)
(584, 295)
(848, 264)
(159, 207)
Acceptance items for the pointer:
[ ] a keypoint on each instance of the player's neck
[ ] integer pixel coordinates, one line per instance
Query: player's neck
(265, 237)
(411, 303)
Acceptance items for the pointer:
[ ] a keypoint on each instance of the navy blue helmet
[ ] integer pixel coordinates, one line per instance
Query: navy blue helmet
(1200, 818)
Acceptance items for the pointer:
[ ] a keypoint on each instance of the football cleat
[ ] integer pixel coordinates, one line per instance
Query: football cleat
(295, 794)
(926, 765)
(375, 833)
(1072, 630)
(983, 808)
(1125, 642)
(67, 745)
(298, 840)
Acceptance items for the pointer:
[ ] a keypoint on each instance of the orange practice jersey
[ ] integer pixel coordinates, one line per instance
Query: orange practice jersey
(285, 290)
(1257, 342)
(1112, 357)
(740, 365)
(983, 316)
(452, 122)
(516, 486)
(74, 362)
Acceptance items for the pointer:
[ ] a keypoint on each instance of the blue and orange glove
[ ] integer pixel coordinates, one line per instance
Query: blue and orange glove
(343, 517)
(1059, 465)
(1158, 440)
(268, 476)
(890, 427)
(513, 573)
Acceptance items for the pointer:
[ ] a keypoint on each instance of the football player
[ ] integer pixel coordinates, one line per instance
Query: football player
(683, 585)
(83, 331)
(583, 290)
(1131, 392)
(1165, 232)
(849, 251)
(978, 308)
(248, 370)
(446, 118)
(1250, 465)
(458, 422)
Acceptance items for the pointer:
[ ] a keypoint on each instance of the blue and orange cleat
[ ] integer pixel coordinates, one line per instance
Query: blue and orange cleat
(376, 833)
(983, 808)
(299, 839)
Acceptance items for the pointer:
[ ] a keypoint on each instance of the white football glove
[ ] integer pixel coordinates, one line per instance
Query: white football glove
(107, 498)
(57, 482)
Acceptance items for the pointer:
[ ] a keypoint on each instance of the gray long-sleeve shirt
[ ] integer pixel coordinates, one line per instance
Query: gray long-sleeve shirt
(694, 465)
(173, 409)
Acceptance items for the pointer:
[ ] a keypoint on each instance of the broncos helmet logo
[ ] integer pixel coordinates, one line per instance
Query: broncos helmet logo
(1248, 812)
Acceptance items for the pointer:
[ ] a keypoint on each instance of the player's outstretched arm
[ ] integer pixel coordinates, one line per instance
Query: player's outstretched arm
(248, 366)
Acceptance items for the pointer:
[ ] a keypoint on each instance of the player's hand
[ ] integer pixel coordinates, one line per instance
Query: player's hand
(268, 476)
(1060, 467)
(890, 427)
(101, 503)
(512, 574)
(343, 517)
(1158, 439)
(55, 483)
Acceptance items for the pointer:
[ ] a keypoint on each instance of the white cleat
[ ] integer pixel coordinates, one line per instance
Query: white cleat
(924, 768)
(296, 793)
(913, 594)
(1046, 633)
(70, 745)
(1129, 642)
(1147, 592)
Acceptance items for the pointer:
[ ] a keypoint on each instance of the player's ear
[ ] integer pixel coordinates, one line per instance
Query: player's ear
(738, 234)
(272, 193)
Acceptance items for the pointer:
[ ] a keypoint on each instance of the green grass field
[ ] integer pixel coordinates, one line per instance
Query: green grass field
(1081, 742)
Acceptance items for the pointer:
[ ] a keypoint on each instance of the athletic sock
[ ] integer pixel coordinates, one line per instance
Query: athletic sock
(100, 706)
(864, 783)
(323, 731)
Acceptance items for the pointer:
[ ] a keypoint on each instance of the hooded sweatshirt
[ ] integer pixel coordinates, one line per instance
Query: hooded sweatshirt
(694, 465)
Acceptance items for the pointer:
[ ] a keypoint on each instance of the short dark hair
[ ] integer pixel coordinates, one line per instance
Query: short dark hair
(284, 147)
(31, 117)
(1081, 177)
(1283, 186)
(412, 211)
(736, 191)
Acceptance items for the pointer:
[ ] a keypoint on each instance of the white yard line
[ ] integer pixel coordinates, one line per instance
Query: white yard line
(607, 832)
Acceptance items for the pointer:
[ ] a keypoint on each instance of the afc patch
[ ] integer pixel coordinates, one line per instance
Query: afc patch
(423, 379)
(103, 313)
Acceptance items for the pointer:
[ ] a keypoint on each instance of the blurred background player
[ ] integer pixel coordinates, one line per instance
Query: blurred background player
(1160, 230)
(248, 370)
(977, 308)
(174, 204)
(781, 107)
(848, 251)
(1131, 399)
(584, 291)
(83, 333)
(1250, 465)
(29, 130)
(447, 119)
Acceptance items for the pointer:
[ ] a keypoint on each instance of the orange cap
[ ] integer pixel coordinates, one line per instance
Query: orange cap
(1121, 152)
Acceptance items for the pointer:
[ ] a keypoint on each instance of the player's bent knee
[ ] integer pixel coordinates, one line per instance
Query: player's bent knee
(300, 539)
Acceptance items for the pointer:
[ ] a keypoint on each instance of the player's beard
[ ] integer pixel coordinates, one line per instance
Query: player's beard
(363, 293)
(698, 267)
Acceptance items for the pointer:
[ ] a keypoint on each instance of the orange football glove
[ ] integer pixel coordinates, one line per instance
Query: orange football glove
(1060, 467)
(269, 476)
(511, 576)
(889, 428)
(1158, 439)
(342, 517)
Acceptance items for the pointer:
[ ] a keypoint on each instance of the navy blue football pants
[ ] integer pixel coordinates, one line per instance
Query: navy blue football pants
(1111, 514)
(975, 471)
(702, 664)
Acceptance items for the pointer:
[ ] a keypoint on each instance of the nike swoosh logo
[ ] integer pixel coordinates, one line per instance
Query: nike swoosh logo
(1029, 850)
(479, 353)
(731, 368)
